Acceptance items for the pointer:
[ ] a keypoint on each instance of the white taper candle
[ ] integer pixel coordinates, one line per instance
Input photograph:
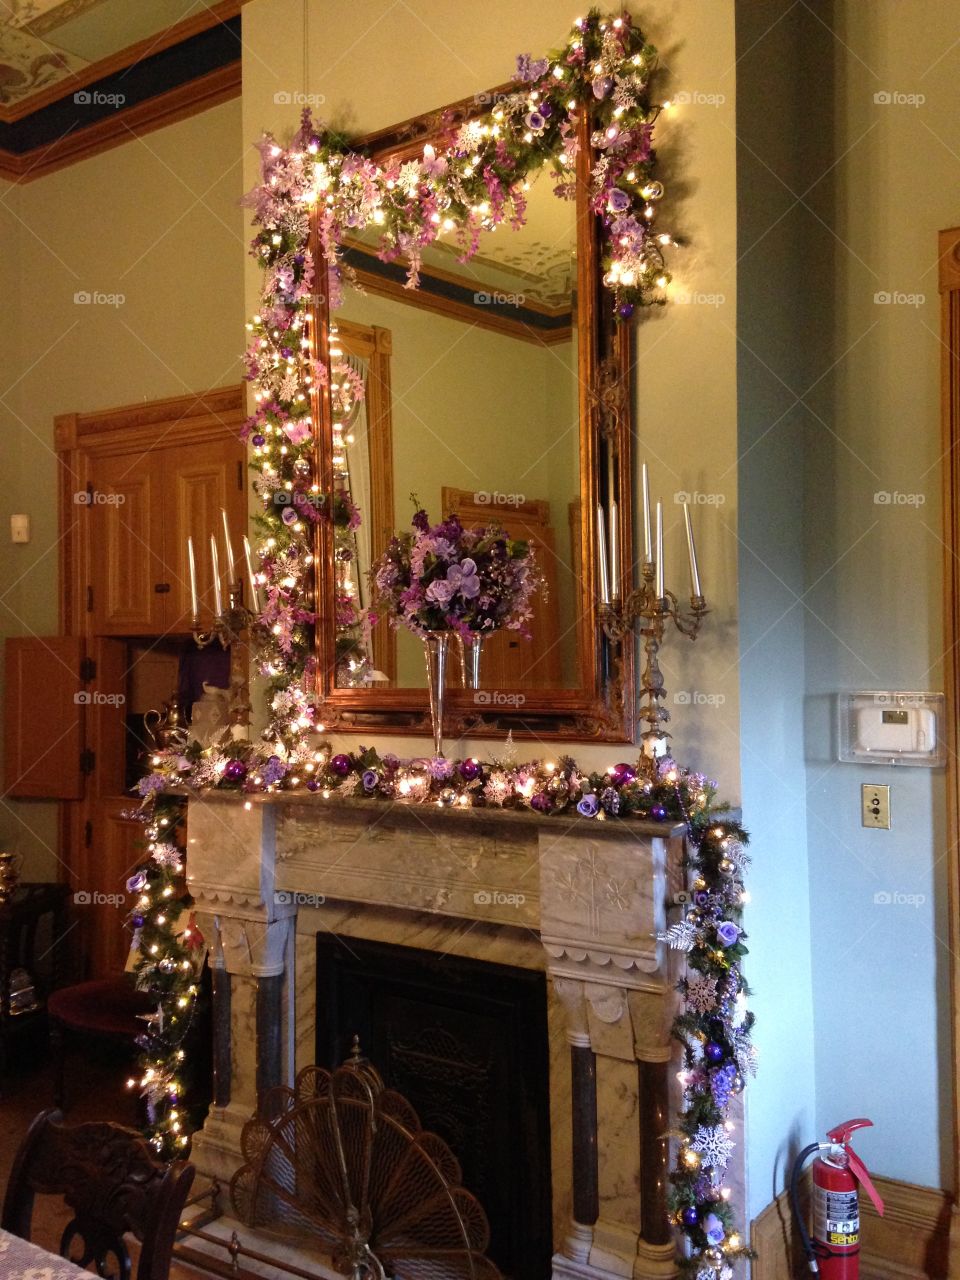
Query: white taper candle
(614, 552)
(602, 557)
(659, 588)
(692, 550)
(254, 593)
(647, 541)
(215, 561)
(230, 564)
(192, 564)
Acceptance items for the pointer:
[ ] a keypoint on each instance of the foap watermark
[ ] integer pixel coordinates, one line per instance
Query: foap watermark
(498, 698)
(696, 298)
(697, 698)
(96, 298)
(94, 498)
(494, 498)
(897, 298)
(894, 498)
(96, 98)
(499, 299)
(96, 698)
(900, 700)
(697, 98)
(896, 98)
(293, 898)
(94, 898)
(695, 498)
(497, 898)
(894, 898)
(489, 99)
(296, 98)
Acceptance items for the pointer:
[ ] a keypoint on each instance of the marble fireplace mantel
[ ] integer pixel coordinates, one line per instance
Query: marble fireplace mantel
(578, 899)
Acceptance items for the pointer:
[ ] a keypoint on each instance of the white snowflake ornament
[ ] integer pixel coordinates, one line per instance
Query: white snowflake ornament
(713, 1145)
(701, 993)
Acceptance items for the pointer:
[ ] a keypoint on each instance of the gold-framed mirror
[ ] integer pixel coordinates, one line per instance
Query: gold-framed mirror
(499, 389)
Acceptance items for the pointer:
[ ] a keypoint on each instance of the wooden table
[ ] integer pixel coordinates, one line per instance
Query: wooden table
(21, 1260)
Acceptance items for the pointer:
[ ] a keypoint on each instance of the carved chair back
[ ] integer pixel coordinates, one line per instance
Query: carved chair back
(113, 1183)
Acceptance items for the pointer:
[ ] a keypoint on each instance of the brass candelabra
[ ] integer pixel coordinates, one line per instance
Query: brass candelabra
(228, 626)
(647, 611)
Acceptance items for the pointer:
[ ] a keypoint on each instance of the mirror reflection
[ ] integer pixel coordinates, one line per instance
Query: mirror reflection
(463, 392)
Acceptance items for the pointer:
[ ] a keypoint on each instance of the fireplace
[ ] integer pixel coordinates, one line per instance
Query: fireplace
(466, 1042)
(482, 955)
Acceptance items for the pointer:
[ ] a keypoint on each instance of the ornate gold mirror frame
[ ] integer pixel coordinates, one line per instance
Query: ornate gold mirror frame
(602, 706)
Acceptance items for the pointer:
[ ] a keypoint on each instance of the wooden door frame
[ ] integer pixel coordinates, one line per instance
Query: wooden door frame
(949, 285)
(157, 424)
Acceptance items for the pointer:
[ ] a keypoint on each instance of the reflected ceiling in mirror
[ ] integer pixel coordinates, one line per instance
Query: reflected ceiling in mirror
(470, 401)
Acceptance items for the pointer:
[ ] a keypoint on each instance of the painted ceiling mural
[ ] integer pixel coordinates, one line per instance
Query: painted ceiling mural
(46, 42)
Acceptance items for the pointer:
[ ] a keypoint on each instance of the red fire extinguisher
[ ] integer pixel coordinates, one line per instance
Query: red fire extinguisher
(834, 1249)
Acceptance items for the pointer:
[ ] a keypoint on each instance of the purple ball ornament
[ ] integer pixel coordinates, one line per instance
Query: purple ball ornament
(621, 774)
(712, 1051)
(137, 921)
(340, 765)
(658, 811)
(235, 771)
(469, 769)
(625, 310)
(259, 440)
(541, 802)
(690, 1216)
(313, 784)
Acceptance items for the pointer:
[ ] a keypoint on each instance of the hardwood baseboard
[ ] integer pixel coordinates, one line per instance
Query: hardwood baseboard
(910, 1242)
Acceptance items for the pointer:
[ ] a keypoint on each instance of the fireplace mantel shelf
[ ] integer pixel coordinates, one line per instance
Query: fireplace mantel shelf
(590, 828)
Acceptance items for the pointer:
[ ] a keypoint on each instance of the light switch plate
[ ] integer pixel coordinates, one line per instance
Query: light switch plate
(875, 805)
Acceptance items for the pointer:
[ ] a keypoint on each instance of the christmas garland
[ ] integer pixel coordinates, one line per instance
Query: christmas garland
(169, 958)
(471, 184)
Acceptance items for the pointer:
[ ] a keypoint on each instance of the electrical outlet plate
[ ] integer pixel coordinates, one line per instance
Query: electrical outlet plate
(892, 728)
(875, 805)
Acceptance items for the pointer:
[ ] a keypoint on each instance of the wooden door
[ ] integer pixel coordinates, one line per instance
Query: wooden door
(44, 705)
(125, 523)
(198, 484)
(510, 661)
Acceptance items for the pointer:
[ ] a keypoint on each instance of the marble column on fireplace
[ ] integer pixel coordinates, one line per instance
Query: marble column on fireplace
(592, 897)
(248, 924)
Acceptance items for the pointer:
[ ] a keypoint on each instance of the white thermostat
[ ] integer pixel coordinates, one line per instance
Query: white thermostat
(892, 728)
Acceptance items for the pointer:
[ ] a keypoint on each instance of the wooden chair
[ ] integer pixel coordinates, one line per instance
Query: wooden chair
(115, 1186)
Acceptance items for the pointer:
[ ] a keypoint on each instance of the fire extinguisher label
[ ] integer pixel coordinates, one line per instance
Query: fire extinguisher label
(836, 1217)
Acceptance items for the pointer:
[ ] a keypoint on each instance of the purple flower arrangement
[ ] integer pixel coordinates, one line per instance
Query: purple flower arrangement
(444, 577)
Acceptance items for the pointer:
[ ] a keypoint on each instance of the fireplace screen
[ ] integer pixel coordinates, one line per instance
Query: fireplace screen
(466, 1042)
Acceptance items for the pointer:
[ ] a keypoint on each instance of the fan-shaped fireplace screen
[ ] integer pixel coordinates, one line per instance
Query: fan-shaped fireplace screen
(341, 1165)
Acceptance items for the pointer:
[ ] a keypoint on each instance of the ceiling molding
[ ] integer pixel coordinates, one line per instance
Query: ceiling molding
(219, 12)
(155, 113)
(188, 69)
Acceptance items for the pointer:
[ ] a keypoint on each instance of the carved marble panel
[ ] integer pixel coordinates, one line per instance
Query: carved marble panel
(413, 858)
